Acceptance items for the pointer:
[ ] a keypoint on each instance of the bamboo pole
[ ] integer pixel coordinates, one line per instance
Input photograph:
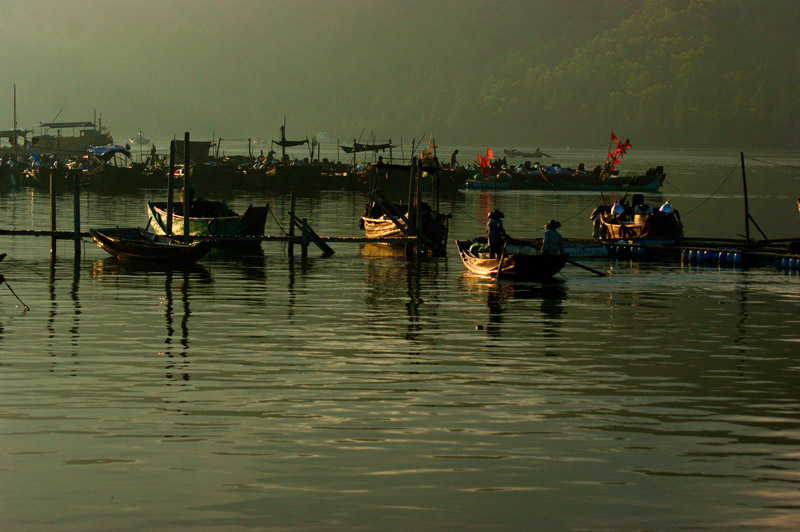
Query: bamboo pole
(76, 213)
(187, 191)
(52, 210)
(746, 206)
(171, 187)
(305, 238)
(291, 225)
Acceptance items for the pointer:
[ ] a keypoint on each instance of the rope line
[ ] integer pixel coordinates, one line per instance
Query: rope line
(713, 193)
(773, 164)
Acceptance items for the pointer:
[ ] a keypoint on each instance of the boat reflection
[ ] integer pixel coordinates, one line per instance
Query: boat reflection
(113, 266)
(177, 359)
(551, 296)
(393, 277)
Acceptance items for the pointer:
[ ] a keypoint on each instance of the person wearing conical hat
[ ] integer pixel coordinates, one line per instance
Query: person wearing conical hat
(553, 242)
(496, 233)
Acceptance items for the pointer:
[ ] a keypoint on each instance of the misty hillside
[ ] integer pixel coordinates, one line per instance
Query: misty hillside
(529, 73)
(702, 73)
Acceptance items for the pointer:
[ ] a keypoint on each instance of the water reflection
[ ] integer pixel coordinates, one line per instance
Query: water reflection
(393, 277)
(176, 363)
(551, 296)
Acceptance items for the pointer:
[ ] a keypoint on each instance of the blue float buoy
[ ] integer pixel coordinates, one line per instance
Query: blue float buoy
(785, 263)
(692, 255)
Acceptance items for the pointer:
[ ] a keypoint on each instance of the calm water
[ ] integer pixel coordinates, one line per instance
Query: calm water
(368, 392)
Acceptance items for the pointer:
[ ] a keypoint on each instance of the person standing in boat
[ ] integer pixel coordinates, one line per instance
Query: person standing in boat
(553, 242)
(453, 161)
(496, 233)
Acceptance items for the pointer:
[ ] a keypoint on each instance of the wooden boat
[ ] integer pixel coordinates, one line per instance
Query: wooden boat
(513, 152)
(433, 226)
(637, 222)
(568, 179)
(517, 264)
(134, 243)
(209, 218)
(62, 145)
(424, 222)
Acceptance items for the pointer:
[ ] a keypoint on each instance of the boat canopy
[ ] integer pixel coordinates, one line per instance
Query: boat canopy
(62, 125)
(105, 153)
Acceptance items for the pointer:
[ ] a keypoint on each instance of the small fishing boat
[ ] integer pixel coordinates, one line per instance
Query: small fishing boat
(639, 221)
(134, 243)
(209, 218)
(517, 262)
(513, 152)
(433, 227)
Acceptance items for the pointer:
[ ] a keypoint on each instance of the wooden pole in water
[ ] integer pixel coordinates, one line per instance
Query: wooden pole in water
(52, 210)
(417, 200)
(76, 213)
(305, 238)
(187, 191)
(291, 223)
(746, 206)
(171, 187)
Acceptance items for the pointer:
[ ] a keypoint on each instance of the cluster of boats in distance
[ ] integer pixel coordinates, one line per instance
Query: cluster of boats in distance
(91, 159)
(87, 149)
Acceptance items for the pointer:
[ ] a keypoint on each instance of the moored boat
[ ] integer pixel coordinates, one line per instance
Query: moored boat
(513, 152)
(134, 243)
(517, 262)
(209, 218)
(82, 136)
(382, 219)
(636, 222)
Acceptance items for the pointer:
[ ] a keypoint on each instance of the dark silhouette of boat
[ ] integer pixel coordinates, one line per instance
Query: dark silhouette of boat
(518, 265)
(134, 243)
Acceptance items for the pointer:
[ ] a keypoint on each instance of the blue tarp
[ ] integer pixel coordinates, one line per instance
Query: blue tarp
(107, 152)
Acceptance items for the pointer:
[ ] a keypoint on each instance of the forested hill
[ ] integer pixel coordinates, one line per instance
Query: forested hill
(702, 73)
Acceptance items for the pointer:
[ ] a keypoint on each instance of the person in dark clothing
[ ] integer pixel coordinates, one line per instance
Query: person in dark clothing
(496, 233)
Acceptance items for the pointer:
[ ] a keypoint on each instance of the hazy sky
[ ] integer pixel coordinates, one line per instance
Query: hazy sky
(231, 67)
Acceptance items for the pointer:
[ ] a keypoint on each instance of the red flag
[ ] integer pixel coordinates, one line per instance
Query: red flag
(613, 137)
(628, 143)
(484, 162)
(489, 154)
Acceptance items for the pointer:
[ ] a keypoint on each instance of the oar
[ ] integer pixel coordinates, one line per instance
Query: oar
(500, 265)
(596, 272)
(3, 280)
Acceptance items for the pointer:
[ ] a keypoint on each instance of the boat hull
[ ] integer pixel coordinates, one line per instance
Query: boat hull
(251, 223)
(516, 267)
(136, 244)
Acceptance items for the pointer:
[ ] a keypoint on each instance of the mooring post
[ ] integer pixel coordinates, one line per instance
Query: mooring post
(418, 206)
(76, 213)
(187, 191)
(170, 187)
(305, 238)
(53, 211)
(746, 207)
(291, 224)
